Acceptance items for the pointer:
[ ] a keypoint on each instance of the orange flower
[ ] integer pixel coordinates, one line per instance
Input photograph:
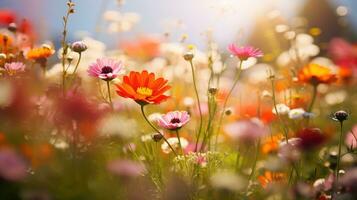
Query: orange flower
(270, 177)
(143, 88)
(5, 42)
(143, 48)
(40, 53)
(271, 144)
(315, 74)
(345, 74)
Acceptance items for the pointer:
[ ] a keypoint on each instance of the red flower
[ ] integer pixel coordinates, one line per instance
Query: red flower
(143, 88)
(311, 138)
(6, 16)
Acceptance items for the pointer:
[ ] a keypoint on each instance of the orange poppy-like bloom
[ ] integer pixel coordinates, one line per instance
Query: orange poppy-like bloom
(40, 53)
(315, 74)
(143, 88)
(345, 74)
(271, 177)
(271, 144)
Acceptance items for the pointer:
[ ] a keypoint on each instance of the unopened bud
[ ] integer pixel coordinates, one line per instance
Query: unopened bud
(157, 137)
(78, 47)
(228, 111)
(12, 27)
(188, 56)
(340, 116)
(2, 56)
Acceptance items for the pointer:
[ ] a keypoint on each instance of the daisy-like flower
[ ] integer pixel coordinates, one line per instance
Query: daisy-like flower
(297, 113)
(270, 177)
(175, 143)
(105, 69)
(173, 120)
(243, 53)
(14, 68)
(40, 53)
(281, 108)
(143, 88)
(315, 74)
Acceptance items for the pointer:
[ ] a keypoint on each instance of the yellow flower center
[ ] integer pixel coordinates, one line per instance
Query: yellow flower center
(144, 91)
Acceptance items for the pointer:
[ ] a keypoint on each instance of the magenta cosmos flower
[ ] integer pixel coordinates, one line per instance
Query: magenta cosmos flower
(173, 120)
(14, 68)
(105, 69)
(243, 53)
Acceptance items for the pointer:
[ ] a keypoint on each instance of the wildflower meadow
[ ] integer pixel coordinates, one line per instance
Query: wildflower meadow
(124, 113)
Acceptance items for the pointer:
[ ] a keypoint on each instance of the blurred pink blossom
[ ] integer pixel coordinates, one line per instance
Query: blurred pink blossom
(126, 168)
(246, 131)
(351, 138)
(12, 166)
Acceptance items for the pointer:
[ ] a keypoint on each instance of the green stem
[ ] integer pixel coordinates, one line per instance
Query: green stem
(74, 71)
(226, 100)
(314, 94)
(179, 140)
(64, 48)
(109, 95)
(255, 162)
(237, 161)
(153, 127)
(339, 152)
(76, 67)
(285, 129)
(198, 102)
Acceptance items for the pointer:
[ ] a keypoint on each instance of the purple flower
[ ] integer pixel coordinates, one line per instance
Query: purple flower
(246, 131)
(12, 166)
(243, 53)
(126, 168)
(105, 69)
(173, 120)
(14, 68)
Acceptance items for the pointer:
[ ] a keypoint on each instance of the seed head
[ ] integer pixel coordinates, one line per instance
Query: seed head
(340, 116)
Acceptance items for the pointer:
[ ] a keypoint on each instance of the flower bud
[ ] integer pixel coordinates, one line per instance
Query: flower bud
(157, 137)
(12, 27)
(340, 116)
(78, 47)
(212, 90)
(188, 56)
(2, 56)
(228, 111)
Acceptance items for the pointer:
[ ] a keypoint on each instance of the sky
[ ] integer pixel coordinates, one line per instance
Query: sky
(225, 17)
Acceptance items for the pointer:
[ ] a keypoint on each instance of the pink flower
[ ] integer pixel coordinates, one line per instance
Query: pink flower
(14, 68)
(12, 166)
(246, 131)
(126, 168)
(351, 138)
(105, 69)
(173, 120)
(243, 53)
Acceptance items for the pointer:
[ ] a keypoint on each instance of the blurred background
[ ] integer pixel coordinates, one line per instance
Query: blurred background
(230, 19)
